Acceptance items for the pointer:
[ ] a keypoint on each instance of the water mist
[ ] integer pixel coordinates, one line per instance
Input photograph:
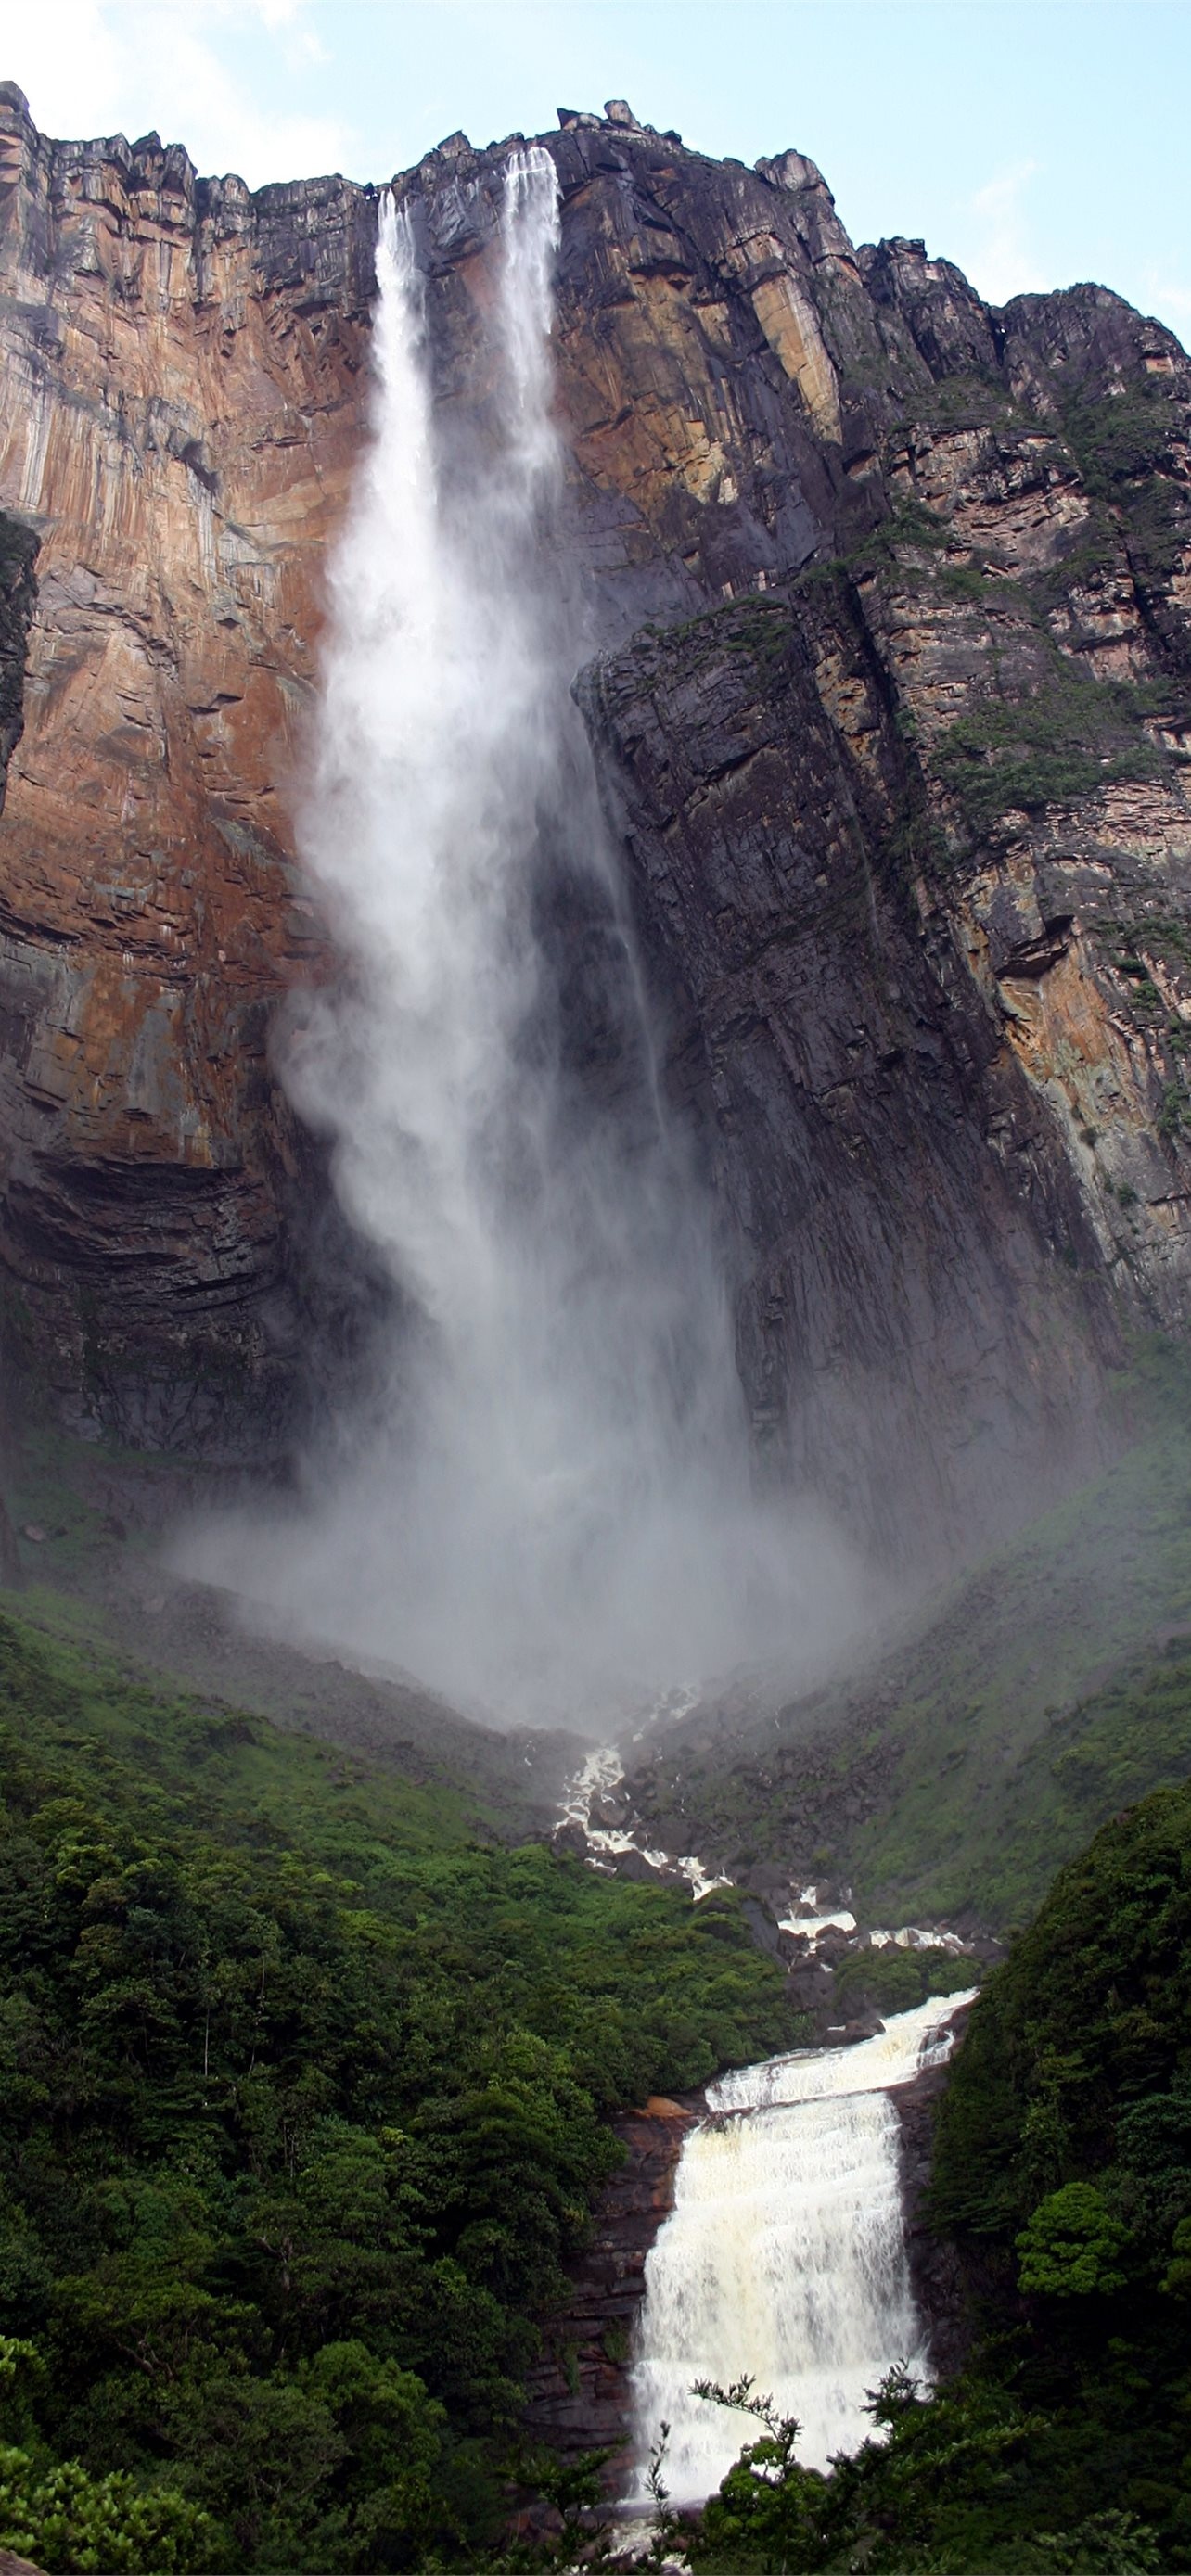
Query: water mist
(545, 1507)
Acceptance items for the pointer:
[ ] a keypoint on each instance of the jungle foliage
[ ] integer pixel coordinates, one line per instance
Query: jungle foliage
(1063, 2178)
(305, 2100)
(1062, 741)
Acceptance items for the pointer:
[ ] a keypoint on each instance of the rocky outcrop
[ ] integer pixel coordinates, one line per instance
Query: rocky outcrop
(579, 2392)
(940, 2291)
(884, 603)
(18, 554)
(912, 1299)
(182, 375)
(912, 839)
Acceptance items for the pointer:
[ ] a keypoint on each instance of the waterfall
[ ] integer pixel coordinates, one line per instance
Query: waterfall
(784, 2255)
(543, 1507)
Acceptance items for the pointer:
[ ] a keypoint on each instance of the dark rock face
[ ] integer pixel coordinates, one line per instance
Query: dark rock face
(579, 2393)
(884, 599)
(18, 591)
(906, 1313)
(935, 2271)
(810, 1987)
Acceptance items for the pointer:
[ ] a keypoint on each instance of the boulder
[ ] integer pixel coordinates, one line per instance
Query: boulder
(810, 1988)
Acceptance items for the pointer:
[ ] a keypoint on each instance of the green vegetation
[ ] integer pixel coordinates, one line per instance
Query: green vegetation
(893, 1980)
(1128, 449)
(95, 1588)
(1054, 734)
(754, 624)
(1174, 1110)
(1158, 934)
(971, 584)
(1077, 2066)
(972, 2481)
(1063, 2176)
(1124, 437)
(1042, 1701)
(975, 399)
(1062, 742)
(306, 2096)
(908, 528)
(1041, 1692)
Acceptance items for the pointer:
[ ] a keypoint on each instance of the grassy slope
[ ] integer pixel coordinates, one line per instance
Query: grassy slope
(1042, 1692)
(1054, 1689)
(211, 1769)
(95, 1580)
(688, 1983)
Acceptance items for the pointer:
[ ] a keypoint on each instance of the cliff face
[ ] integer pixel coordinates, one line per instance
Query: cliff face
(182, 409)
(884, 603)
(579, 2391)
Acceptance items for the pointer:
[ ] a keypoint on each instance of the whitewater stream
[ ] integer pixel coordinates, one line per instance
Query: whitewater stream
(784, 2255)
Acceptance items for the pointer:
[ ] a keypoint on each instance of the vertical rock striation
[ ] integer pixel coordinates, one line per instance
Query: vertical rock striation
(182, 378)
(883, 600)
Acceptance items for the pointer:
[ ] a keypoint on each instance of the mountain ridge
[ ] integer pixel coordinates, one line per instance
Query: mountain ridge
(884, 603)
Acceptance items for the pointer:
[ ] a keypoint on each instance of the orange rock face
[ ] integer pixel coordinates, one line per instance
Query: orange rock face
(891, 604)
(186, 392)
(179, 427)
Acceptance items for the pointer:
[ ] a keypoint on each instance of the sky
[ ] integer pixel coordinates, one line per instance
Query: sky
(1035, 145)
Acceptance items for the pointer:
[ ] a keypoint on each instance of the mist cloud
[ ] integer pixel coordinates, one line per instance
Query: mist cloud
(545, 1508)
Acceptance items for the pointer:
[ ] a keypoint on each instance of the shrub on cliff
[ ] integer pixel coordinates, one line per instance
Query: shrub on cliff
(1066, 740)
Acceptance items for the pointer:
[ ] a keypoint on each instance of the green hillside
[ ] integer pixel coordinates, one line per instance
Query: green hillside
(1062, 2181)
(952, 1776)
(306, 2096)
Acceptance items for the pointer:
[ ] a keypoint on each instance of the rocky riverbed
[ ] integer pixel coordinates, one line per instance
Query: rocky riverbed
(581, 2392)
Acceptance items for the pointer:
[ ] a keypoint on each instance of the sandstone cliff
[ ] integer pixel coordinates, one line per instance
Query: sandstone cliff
(884, 603)
(182, 370)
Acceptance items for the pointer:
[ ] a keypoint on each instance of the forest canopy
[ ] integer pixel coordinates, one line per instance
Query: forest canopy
(1062, 2184)
(307, 2095)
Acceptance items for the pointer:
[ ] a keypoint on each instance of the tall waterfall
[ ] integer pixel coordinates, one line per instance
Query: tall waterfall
(784, 2256)
(544, 1505)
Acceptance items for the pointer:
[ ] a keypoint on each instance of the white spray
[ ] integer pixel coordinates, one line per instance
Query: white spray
(547, 1512)
(784, 2255)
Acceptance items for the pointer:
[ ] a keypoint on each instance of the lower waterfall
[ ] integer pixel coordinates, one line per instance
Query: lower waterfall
(784, 2255)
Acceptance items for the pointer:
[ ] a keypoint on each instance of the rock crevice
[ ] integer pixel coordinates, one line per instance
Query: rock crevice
(882, 603)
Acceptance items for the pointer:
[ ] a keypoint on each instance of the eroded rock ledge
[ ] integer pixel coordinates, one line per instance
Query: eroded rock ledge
(884, 598)
(579, 2396)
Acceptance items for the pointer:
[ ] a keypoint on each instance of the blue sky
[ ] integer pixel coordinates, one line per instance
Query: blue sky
(1034, 144)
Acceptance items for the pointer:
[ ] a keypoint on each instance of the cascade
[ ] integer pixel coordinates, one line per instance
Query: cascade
(543, 1506)
(783, 2257)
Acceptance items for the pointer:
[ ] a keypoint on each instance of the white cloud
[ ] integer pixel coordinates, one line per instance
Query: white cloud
(105, 66)
(1000, 260)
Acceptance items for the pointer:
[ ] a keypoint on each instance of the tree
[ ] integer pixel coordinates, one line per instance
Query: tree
(1071, 2247)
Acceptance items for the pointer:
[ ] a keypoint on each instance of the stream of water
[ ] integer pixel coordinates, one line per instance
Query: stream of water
(784, 2255)
(541, 1500)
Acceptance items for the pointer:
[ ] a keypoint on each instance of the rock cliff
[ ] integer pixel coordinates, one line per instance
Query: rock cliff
(182, 371)
(579, 2395)
(882, 605)
(935, 2269)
